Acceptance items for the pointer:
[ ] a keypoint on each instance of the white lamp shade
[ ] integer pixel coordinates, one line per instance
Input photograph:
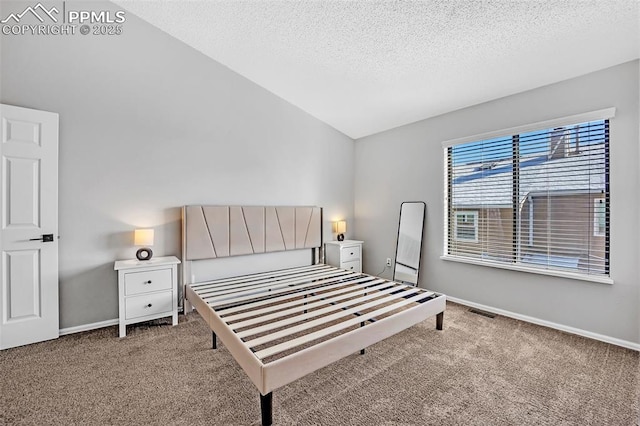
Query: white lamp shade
(143, 237)
(340, 227)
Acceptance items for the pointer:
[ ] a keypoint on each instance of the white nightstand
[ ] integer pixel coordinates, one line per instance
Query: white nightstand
(345, 254)
(147, 290)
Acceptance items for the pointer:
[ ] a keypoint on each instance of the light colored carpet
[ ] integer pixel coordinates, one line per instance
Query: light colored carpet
(478, 371)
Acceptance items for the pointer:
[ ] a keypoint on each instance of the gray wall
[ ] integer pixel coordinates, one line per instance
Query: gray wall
(147, 125)
(406, 163)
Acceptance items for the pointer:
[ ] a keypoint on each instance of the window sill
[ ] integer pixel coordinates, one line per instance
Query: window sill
(561, 274)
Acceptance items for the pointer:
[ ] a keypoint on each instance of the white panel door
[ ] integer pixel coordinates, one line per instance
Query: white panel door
(29, 231)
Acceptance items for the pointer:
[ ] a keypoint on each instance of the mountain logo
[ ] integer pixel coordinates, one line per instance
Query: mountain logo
(36, 11)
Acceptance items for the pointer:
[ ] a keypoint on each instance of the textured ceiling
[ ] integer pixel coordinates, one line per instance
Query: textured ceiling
(367, 66)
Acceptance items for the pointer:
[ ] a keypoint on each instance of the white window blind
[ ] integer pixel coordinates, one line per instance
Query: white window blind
(537, 199)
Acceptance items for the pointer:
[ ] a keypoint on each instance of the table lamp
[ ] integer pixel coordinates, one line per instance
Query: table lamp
(340, 227)
(143, 237)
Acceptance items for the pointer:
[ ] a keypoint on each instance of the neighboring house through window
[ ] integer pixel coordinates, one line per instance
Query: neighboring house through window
(466, 226)
(535, 199)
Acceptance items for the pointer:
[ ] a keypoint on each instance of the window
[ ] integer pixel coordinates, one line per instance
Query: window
(599, 218)
(536, 199)
(466, 226)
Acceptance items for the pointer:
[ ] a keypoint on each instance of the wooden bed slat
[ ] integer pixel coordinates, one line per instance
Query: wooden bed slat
(251, 287)
(304, 315)
(303, 304)
(331, 318)
(341, 285)
(289, 289)
(235, 280)
(328, 330)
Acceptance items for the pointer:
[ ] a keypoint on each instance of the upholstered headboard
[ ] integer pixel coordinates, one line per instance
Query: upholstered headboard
(211, 232)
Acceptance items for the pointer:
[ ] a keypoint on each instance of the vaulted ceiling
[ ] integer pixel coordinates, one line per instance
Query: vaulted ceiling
(366, 66)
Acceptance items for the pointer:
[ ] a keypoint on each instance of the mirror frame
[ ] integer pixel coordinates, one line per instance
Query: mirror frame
(424, 215)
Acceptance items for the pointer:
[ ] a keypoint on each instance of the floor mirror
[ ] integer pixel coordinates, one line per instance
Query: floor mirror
(409, 242)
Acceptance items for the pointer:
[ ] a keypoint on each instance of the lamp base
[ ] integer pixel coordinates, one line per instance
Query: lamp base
(144, 254)
(340, 237)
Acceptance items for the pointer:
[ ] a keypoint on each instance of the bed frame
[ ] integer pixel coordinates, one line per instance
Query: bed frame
(282, 325)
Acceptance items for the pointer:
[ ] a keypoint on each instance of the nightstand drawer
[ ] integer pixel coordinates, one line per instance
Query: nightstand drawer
(147, 281)
(354, 265)
(350, 253)
(148, 304)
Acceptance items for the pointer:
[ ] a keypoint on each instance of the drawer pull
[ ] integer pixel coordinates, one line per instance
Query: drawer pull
(148, 306)
(147, 282)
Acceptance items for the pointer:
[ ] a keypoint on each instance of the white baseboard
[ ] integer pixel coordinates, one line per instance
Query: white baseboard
(87, 327)
(93, 326)
(537, 321)
(544, 323)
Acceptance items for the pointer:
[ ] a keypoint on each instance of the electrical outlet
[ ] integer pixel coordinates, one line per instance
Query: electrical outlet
(388, 261)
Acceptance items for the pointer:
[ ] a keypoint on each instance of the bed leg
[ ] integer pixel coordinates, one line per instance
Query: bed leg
(214, 343)
(362, 350)
(266, 408)
(439, 320)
